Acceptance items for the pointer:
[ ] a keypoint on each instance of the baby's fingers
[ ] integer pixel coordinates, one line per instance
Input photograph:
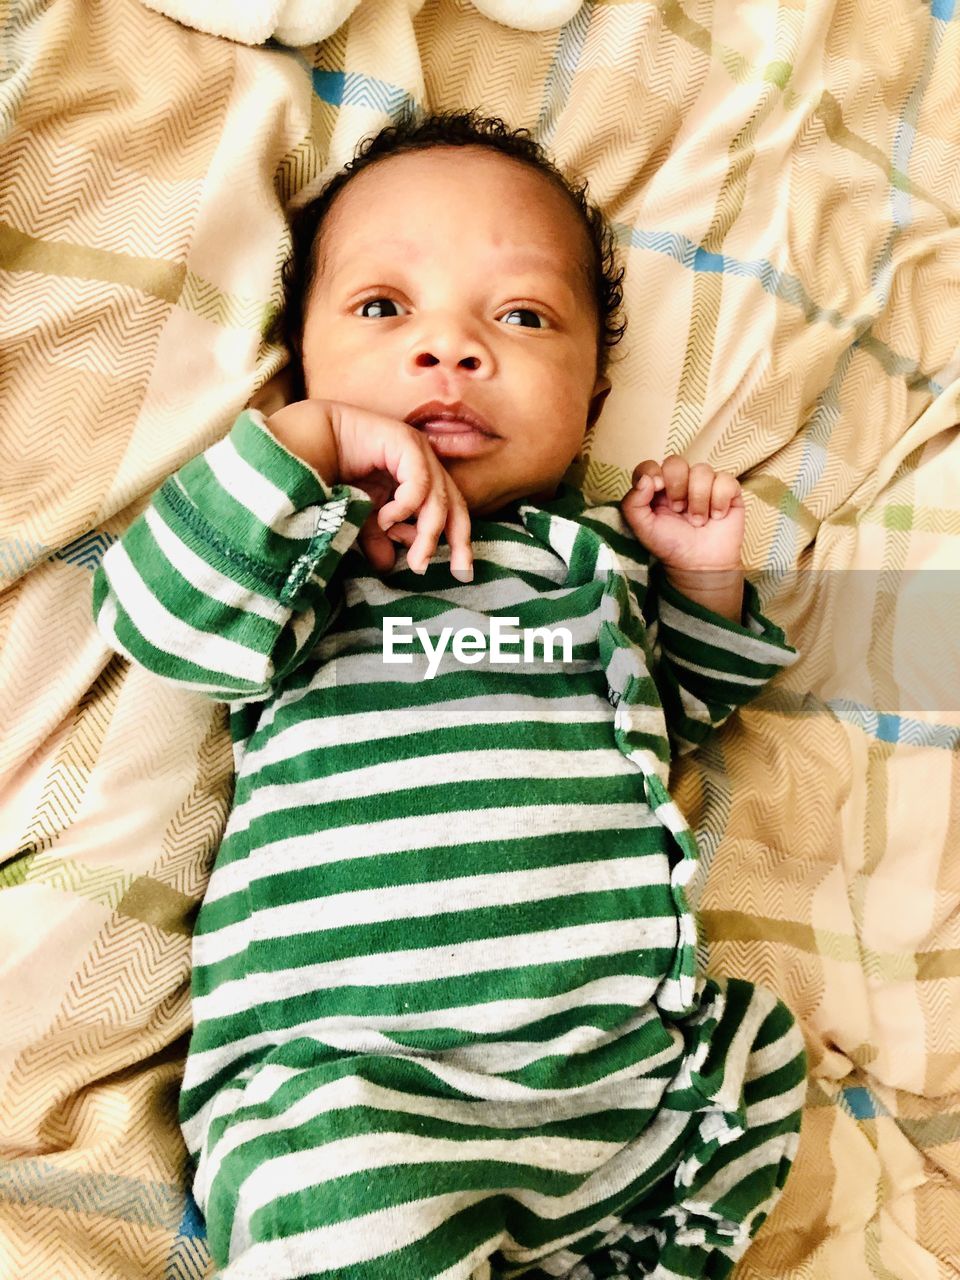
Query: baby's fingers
(415, 472)
(458, 534)
(405, 533)
(432, 518)
(647, 479)
(700, 481)
(726, 493)
(458, 537)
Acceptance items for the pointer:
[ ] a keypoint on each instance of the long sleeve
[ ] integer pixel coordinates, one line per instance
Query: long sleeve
(705, 665)
(223, 585)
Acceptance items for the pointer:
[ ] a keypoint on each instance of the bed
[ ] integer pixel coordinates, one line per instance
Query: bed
(784, 181)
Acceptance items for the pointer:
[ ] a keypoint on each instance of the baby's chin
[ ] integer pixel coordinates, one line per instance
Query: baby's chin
(495, 508)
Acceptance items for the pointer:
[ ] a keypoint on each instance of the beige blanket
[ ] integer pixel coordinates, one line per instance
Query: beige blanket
(784, 181)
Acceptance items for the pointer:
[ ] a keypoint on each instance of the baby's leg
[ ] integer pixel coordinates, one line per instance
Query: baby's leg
(377, 1166)
(742, 1087)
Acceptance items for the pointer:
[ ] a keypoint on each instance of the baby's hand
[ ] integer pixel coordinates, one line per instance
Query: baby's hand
(396, 466)
(690, 518)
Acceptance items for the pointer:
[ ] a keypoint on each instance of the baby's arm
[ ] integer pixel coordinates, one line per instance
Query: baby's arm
(711, 647)
(221, 586)
(705, 665)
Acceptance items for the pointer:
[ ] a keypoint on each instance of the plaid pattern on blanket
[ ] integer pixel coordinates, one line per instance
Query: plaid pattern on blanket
(785, 182)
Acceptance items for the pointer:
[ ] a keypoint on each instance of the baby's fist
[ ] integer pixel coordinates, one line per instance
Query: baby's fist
(690, 518)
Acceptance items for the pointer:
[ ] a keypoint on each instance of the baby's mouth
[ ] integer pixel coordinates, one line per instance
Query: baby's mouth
(449, 427)
(439, 418)
(454, 439)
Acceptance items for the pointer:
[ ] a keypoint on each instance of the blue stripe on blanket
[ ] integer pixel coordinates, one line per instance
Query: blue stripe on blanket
(103, 1195)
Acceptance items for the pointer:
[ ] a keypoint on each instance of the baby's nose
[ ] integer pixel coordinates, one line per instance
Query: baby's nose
(451, 342)
(426, 359)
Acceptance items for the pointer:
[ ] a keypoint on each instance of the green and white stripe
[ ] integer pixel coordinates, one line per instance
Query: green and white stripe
(447, 1019)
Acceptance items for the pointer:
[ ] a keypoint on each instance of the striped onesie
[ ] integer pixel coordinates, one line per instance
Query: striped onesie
(447, 1022)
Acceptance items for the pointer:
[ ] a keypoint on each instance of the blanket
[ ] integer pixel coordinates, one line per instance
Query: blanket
(783, 182)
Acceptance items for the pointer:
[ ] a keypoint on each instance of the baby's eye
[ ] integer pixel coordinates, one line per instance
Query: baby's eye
(538, 320)
(381, 303)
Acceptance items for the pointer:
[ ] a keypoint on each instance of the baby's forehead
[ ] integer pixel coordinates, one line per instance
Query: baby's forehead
(514, 216)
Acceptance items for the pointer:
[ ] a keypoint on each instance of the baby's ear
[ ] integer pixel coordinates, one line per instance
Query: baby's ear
(600, 392)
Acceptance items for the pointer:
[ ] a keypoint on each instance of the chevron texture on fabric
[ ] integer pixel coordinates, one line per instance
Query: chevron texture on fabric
(784, 181)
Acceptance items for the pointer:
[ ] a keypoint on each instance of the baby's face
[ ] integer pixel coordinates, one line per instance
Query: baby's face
(459, 275)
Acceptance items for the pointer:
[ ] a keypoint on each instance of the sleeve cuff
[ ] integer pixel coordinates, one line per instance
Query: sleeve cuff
(256, 512)
(755, 638)
(340, 510)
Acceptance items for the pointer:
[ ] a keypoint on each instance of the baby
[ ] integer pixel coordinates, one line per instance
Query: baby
(447, 1021)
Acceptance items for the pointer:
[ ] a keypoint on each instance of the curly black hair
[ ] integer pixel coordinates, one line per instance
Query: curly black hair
(413, 132)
